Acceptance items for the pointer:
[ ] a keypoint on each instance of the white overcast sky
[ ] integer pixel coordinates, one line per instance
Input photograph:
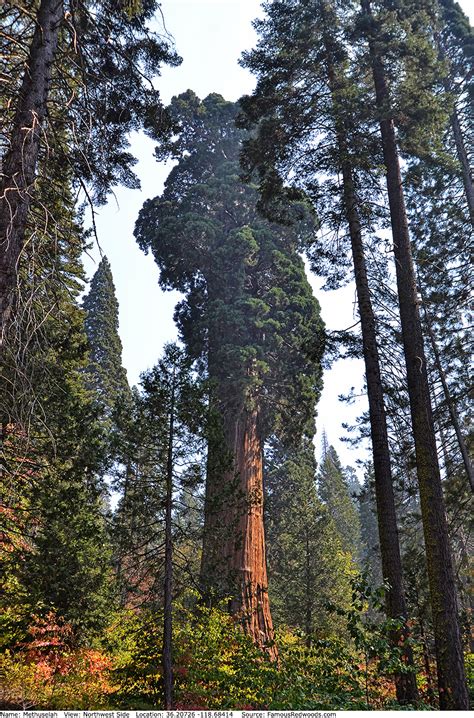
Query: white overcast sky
(210, 36)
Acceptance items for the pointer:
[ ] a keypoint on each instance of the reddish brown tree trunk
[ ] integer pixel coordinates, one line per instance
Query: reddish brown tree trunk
(234, 560)
(246, 548)
(20, 163)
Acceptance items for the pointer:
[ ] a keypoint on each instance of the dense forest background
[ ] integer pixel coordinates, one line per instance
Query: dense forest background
(179, 543)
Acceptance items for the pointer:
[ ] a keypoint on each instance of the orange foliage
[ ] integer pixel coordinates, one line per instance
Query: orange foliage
(59, 675)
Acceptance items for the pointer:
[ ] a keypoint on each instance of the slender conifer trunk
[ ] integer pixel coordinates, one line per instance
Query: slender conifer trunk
(464, 162)
(456, 128)
(449, 402)
(168, 579)
(386, 513)
(121, 580)
(309, 593)
(451, 680)
(385, 499)
(20, 163)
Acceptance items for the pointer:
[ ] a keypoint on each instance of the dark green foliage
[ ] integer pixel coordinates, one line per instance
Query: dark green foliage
(308, 567)
(248, 306)
(443, 242)
(141, 447)
(293, 146)
(68, 570)
(440, 199)
(100, 89)
(456, 43)
(51, 488)
(334, 491)
(138, 519)
(55, 448)
(420, 108)
(457, 31)
(370, 549)
(105, 375)
(79, 81)
(120, 52)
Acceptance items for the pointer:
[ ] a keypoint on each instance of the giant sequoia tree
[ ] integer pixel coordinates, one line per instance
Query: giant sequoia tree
(249, 315)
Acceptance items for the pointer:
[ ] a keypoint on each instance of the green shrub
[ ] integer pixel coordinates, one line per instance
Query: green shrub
(216, 666)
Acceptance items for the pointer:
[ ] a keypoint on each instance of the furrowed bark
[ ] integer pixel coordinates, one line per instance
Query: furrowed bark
(386, 514)
(234, 560)
(20, 163)
(451, 680)
(246, 549)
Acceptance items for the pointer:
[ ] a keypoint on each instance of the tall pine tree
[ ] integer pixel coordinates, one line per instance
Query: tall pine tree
(78, 80)
(451, 679)
(52, 471)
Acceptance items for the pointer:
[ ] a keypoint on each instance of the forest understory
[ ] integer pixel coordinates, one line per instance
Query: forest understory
(179, 544)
